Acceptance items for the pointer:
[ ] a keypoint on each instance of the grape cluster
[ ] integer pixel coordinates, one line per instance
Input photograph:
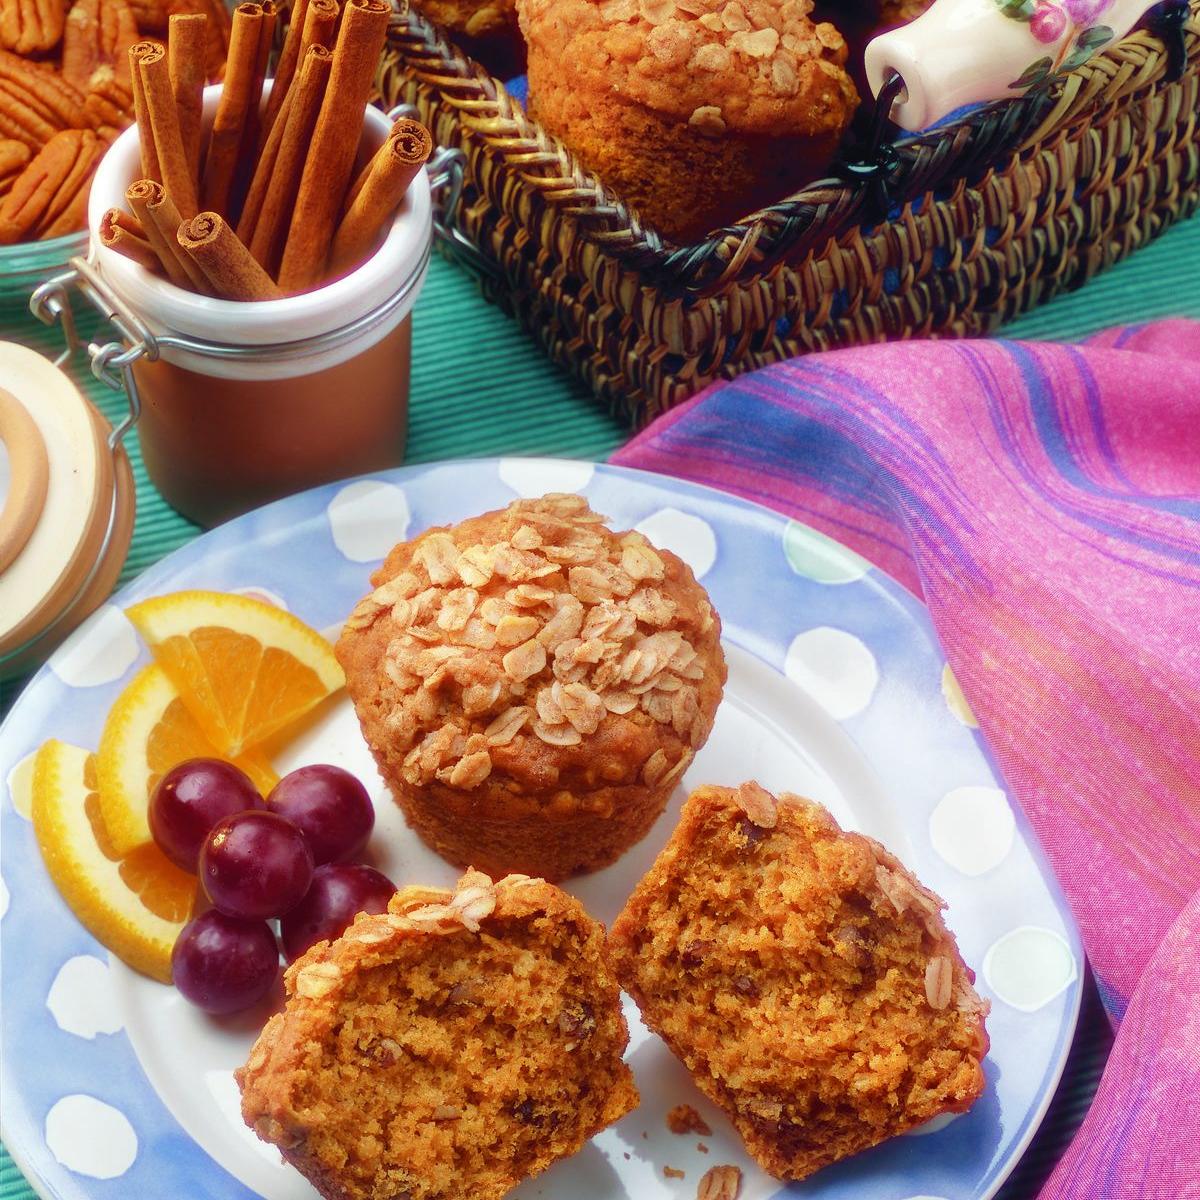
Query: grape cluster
(285, 857)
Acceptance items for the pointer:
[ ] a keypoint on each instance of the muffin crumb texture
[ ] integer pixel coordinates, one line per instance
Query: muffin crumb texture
(533, 685)
(446, 1049)
(683, 1118)
(803, 976)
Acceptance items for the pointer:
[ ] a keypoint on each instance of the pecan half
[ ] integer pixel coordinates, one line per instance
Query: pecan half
(14, 157)
(151, 15)
(35, 103)
(31, 26)
(49, 197)
(108, 107)
(98, 34)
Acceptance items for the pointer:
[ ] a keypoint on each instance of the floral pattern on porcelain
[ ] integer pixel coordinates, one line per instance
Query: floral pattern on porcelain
(1069, 25)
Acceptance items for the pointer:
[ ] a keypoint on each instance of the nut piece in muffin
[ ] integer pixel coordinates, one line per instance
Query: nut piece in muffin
(855, 1017)
(532, 685)
(695, 112)
(446, 1049)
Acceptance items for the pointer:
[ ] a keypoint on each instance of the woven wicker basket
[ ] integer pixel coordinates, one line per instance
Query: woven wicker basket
(991, 215)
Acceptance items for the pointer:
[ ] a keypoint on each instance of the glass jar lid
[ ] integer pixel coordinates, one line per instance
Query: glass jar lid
(66, 505)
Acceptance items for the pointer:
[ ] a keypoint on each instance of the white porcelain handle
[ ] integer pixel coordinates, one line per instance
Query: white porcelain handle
(962, 52)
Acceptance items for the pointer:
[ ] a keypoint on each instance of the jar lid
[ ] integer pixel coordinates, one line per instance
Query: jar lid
(66, 507)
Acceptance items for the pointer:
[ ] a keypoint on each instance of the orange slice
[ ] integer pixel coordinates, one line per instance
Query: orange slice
(244, 668)
(135, 905)
(148, 731)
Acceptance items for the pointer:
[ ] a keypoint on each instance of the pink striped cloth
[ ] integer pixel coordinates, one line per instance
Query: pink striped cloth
(1044, 500)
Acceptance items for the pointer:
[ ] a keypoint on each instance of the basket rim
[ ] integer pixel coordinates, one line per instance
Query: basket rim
(960, 149)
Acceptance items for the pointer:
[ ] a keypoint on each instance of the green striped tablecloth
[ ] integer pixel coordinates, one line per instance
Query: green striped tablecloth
(504, 397)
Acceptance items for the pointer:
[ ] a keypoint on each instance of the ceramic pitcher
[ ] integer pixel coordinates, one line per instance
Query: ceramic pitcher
(961, 52)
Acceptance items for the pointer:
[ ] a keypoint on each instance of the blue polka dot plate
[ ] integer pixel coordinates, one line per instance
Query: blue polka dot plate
(114, 1087)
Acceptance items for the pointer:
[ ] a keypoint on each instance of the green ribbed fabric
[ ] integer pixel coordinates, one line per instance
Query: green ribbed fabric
(481, 387)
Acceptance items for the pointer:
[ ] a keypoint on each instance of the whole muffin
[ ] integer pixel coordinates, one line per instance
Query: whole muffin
(695, 113)
(856, 1017)
(532, 685)
(446, 1049)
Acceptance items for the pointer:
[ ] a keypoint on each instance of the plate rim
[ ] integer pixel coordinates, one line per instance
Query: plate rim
(877, 577)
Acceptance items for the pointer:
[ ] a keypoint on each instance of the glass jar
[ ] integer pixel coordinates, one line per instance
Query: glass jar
(241, 403)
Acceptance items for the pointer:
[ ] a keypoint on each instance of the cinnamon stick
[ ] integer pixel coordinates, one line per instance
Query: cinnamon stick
(334, 145)
(229, 266)
(118, 218)
(385, 181)
(320, 25)
(185, 55)
(278, 190)
(229, 122)
(164, 128)
(260, 181)
(140, 113)
(285, 70)
(249, 142)
(124, 234)
(160, 219)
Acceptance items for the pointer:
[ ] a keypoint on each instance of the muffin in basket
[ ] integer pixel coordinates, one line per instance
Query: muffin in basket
(486, 29)
(856, 1015)
(697, 112)
(532, 685)
(450, 1047)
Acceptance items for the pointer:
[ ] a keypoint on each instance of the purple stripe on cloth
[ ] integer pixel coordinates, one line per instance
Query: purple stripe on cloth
(1044, 501)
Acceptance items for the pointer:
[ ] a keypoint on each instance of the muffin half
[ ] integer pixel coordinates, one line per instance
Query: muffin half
(532, 685)
(804, 978)
(444, 1050)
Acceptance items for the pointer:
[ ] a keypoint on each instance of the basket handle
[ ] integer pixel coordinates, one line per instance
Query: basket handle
(963, 52)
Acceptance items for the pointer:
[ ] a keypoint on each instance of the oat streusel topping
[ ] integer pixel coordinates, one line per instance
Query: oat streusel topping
(547, 634)
(758, 65)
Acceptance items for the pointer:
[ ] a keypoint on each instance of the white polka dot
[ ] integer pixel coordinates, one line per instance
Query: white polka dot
(531, 477)
(817, 556)
(264, 594)
(683, 534)
(935, 1125)
(3, 899)
(368, 518)
(834, 668)
(1029, 967)
(81, 998)
(956, 702)
(102, 649)
(20, 786)
(90, 1137)
(972, 828)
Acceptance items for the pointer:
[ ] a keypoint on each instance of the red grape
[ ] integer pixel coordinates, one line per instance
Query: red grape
(255, 865)
(330, 806)
(190, 799)
(222, 964)
(339, 892)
